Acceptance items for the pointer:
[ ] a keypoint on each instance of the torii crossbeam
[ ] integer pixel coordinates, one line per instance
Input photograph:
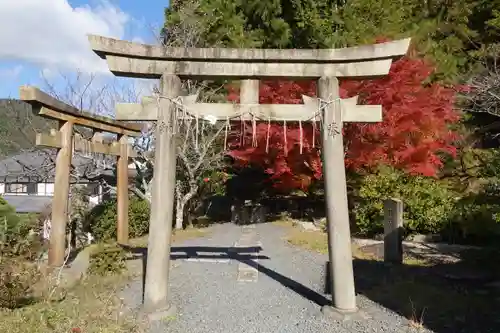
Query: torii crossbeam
(171, 64)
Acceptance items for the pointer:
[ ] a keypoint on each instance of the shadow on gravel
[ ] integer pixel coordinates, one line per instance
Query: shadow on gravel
(445, 298)
(245, 255)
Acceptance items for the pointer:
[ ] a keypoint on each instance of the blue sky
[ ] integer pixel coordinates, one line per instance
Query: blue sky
(43, 40)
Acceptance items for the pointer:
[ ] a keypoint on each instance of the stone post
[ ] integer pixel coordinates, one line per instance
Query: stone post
(249, 94)
(60, 202)
(339, 236)
(162, 205)
(122, 191)
(393, 231)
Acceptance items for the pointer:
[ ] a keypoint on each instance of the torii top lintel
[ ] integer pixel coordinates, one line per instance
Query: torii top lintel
(148, 61)
(49, 107)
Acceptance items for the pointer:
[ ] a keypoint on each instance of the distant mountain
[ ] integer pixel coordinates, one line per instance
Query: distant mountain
(18, 127)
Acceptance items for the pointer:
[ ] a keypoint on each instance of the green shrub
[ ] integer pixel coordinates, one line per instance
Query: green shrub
(106, 260)
(476, 217)
(428, 203)
(9, 222)
(102, 219)
(19, 233)
(16, 283)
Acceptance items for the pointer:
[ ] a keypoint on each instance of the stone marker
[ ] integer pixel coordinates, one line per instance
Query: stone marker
(393, 231)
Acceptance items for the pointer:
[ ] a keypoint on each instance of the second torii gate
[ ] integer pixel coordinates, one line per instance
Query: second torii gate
(65, 140)
(171, 64)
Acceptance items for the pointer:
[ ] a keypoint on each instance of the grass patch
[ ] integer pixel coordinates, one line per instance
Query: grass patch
(177, 236)
(283, 223)
(318, 241)
(314, 240)
(182, 235)
(169, 319)
(310, 240)
(412, 261)
(91, 306)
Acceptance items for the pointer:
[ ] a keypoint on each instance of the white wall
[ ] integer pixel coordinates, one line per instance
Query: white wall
(42, 189)
(3, 190)
(45, 189)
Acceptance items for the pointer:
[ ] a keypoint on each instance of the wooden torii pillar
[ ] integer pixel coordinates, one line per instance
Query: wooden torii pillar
(66, 141)
(325, 65)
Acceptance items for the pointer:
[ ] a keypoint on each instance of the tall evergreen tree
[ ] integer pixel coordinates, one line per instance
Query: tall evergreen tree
(450, 33)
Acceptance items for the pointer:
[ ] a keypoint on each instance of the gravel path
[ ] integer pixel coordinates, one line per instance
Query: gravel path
(212, 297)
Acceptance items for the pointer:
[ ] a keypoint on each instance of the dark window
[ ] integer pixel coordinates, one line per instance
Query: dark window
(28, 188)
(16, 188)
(32, 188)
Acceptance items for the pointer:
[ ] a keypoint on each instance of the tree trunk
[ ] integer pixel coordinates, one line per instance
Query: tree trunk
(182, 200)
(144, 195)
(179, 214)
(179, 207)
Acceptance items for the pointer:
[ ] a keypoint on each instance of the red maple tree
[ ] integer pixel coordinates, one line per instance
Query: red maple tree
(415, 130)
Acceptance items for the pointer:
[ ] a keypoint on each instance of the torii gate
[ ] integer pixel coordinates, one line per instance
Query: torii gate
(326, 65)
(65, 140)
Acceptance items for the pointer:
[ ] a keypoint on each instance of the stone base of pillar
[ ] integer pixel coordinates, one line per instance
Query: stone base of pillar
(344, 315)
(161, 314)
